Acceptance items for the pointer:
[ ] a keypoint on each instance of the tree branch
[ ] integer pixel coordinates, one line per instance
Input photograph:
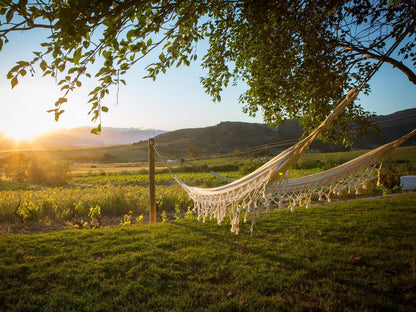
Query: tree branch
(395, 63)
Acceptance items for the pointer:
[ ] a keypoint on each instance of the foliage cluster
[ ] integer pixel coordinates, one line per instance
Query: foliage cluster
(393, 169)
(21, 168)
(297, 58)
(355, 256)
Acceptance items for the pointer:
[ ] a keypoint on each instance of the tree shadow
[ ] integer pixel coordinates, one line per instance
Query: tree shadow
(272, 257)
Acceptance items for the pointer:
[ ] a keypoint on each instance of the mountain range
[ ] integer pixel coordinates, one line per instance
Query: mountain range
(82, 137)
(229, 137)
(224, 137)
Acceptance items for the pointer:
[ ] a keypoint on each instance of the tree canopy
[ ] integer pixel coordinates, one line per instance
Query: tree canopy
(297, 58)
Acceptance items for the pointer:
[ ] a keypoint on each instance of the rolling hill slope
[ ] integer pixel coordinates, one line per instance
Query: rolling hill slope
(227, 137)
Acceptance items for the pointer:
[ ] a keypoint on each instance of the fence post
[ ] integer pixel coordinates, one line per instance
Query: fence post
(152, 188)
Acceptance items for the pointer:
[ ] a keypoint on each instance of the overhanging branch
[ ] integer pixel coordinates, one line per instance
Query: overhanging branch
(395, 63)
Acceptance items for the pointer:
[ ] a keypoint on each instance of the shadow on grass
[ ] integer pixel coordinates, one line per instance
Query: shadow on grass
(313, 272)
(290, 262)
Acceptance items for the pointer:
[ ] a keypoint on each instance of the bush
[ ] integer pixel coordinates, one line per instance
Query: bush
(95, 215)
(390, 180)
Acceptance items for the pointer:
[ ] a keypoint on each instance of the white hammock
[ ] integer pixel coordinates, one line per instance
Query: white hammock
(239, 190)
(352, 176)
(257, 189)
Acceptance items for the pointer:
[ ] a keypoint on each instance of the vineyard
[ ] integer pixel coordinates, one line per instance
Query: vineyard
(114, 195)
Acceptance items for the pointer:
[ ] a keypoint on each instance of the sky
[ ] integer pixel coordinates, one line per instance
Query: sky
(176, 100)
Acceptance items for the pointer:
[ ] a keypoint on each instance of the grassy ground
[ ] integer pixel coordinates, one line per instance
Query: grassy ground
(353, 256)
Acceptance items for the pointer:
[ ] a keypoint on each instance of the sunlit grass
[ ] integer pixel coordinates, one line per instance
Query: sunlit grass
(355, 256)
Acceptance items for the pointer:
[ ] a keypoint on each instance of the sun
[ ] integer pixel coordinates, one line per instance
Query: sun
(20, 133)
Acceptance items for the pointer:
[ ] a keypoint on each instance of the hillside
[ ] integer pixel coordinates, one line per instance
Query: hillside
(226, 137)
(393, 126)
(82, 136)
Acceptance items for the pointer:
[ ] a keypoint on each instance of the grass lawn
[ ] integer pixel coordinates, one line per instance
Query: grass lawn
(353, 256)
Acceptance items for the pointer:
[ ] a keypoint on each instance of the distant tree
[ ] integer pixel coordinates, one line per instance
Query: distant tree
(19, 167)
(108, 157)
(15, 167)
(298, 57)
(45, 171)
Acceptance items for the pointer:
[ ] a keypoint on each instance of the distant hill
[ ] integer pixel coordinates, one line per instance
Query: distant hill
(227, 137)
(393, 126)
(82, 136)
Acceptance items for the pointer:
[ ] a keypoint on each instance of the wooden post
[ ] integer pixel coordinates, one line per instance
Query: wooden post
(152, 188)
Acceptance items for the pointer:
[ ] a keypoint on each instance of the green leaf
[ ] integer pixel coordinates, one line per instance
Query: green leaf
(162, 57)
(130, 34)
(72, 70)
(9, 15)
(43, 65)
(124, 66)
(77, 55)
(104, 109)
(58, 114)
(60, 101)
(107, 55)
(14, 82)
(96, 130)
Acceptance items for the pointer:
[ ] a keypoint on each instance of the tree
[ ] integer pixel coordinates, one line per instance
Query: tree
(298, 58)
(46, 171)
(15, 167)
(19, 167)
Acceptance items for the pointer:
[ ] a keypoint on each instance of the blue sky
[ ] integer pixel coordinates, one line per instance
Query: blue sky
(175, 100)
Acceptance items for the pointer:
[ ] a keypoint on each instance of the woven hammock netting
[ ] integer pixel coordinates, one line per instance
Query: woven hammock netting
(269, 184)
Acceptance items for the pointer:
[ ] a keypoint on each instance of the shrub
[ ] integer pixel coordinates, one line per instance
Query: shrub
(390, 180)
(95, 215)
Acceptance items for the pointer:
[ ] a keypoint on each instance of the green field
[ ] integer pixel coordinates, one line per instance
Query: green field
(353, 256)
(119, 190)
(349, 256)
